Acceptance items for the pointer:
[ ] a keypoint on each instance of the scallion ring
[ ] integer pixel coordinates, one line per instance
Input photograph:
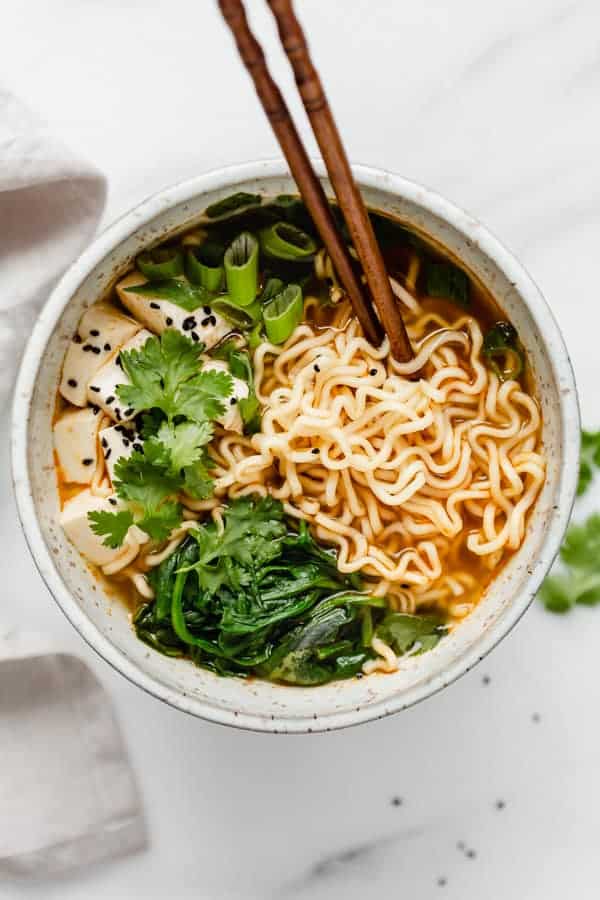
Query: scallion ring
(242, 317)
(282, 240)
(282, 314)
(204, 265)
(241, 269)
(160, 263)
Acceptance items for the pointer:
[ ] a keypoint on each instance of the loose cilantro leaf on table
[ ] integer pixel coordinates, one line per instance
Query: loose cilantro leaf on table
(579, 582)
(590, 459)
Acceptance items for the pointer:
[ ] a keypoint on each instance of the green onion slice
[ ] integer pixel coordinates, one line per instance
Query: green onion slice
(282, 240)
(204, 265)
(160, 263)
(282, 314)
(242, 317)
(503, 352)
(273, 287)
(241, 269)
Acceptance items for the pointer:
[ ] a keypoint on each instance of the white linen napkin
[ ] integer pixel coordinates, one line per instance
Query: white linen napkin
(50, 205)
(68, 796)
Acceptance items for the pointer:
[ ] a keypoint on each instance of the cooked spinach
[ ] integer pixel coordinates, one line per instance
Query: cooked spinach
(259, 596)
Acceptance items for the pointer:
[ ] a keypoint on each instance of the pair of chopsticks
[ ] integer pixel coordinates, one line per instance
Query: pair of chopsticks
(338, 167)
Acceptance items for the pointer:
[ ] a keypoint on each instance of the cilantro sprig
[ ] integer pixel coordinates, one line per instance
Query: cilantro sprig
(180, 403)
(577, 579)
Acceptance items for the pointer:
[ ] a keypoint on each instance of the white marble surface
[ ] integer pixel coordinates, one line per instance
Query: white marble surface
(496, 106)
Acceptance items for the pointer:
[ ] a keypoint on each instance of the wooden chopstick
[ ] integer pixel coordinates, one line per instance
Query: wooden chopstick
(300, 166)
(338, 167)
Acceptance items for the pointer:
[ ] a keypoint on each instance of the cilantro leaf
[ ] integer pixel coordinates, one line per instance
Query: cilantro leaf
(404, 632)
(198, 482)
(159, 522)
(579, 580)
(138, 480)
(590, 459)
(202, 396)
(157, 372)
(113, 525)
(178, 446)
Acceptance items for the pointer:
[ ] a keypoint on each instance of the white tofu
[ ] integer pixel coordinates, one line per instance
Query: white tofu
(75, 523)
(118, 442)
(158, 315)
(102, 390)
(76, 444)
(231, 419)
(100, 333)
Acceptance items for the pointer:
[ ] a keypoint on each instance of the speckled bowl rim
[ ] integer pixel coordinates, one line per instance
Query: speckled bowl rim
(135, 220)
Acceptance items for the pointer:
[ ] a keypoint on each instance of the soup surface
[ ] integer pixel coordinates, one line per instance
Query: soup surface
(272, 494)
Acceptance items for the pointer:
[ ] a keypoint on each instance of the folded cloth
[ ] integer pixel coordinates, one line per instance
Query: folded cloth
(50, 205)
(67, 793)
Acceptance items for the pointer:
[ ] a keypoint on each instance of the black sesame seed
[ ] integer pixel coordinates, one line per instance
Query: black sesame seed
(233, 401)
(87, 462)
(137, 446)
(315, 450)
(94, 332)
(206, 321)
(155, 306)
(359, 674)
(195, 336)
(316, 368)
(77, 339)
(118, 361)
(129, 411)
(95, 389)
(108, 452)
(86, 348)
(126, 442)
(110, 400)
(120, 428)
(213, 321)
(112, 501)
(96, 350)
(107, 347)
(95, 409)
(206, 310)
(118, 413)
(169, 320)
(189, 323)
(71, 382)
(104, 442)
(372, 371)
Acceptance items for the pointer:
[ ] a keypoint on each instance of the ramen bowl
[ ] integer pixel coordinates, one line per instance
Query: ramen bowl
(104, 622)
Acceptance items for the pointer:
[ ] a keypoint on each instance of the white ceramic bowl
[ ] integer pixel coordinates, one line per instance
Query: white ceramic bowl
(259, 705)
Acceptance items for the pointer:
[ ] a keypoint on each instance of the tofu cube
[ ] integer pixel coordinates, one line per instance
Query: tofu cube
(76, 444)
(102, 390)
(74, 520)
(157, 315)
(100, 333)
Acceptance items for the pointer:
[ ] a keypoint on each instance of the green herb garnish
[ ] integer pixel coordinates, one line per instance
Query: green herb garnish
(232, 204)
(178, 291)
(590, 459)
(503, 352)
(181, 403)
(449, 282)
